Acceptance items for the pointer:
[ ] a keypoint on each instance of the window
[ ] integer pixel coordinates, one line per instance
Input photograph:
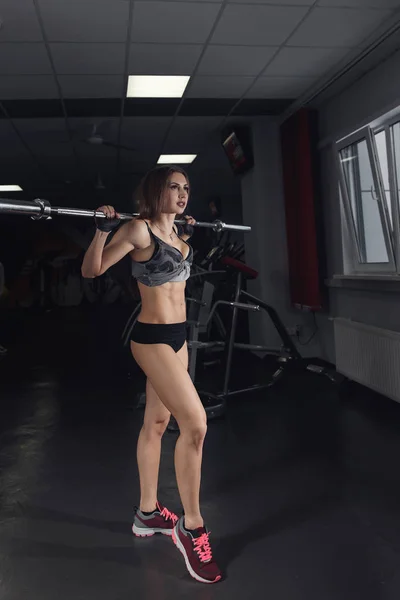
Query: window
(394, 143)
(380, 141)
(365, 191)
(395, 139)
(368, 164)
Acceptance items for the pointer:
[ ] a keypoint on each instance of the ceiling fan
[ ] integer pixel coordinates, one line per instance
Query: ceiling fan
(95, 138)
(94, 134)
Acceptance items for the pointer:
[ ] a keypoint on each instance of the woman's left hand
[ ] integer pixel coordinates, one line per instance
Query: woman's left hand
(188, 227)
(190, 220)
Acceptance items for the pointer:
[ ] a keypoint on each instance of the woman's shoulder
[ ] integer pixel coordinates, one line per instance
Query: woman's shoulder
(139, 232)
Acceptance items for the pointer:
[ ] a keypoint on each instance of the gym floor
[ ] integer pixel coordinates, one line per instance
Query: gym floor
(300, 483)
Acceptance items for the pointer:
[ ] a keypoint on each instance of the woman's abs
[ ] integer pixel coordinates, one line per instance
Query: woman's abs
(163, 304)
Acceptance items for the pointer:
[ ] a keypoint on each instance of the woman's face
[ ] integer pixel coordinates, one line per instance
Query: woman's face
(176, 195)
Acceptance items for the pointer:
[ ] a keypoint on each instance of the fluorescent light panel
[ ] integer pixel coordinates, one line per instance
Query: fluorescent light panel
(10, 188)
(157, 86)
(176, 159)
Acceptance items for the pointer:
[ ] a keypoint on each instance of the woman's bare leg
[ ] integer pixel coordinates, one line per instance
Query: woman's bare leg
(168, 375)
(156, 419)
(188, 459)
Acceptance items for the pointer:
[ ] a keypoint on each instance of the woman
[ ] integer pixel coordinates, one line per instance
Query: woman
(161, 264)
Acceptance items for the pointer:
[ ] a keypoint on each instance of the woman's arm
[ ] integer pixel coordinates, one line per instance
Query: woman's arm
(98, 258)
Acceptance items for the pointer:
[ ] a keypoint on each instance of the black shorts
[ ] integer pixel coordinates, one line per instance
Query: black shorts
(173, 334)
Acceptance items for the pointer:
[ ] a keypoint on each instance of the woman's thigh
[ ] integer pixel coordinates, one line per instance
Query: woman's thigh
(168, 375)
(155, 411)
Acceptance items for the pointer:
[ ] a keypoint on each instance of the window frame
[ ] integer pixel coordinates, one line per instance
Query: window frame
(359, 267)
(393, 182)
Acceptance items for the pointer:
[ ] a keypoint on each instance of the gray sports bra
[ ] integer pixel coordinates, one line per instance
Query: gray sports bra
(166, 265)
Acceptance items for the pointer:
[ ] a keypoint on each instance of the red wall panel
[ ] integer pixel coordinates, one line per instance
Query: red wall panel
(303, 215)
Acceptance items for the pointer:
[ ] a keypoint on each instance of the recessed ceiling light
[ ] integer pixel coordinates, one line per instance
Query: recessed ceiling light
(156, 86)
(10, 188)
(176, 159)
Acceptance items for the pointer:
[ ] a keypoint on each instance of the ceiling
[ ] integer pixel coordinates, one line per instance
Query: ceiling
(64, 66)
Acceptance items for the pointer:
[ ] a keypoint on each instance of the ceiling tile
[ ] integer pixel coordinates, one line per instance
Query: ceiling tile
(144, 132)
(219, 87)
(18, 170)
(361, 3)
(89, 59)
(280, 87)
(8, 136)
(137, 165)
(53, 151)
(91, 86)
(189, 134)
(235, 60)
(39, 130)
(96, 152)
(163, 59)
(96, 166)
(173, 22)
(24, 59)
(206, 1)
(305, 61)
(19, 22)
(21, 170)
(85, 20)
(27, 87)
(254, 25)
(15, 152)
(61, 165)
(337, 27)
(276, 2)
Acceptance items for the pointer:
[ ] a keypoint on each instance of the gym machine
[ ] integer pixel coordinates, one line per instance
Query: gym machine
(288, 356)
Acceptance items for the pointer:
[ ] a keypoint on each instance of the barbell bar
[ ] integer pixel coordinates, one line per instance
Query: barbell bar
(42, 209)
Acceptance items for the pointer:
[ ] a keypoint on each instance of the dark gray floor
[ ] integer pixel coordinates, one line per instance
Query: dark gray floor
(300, 484)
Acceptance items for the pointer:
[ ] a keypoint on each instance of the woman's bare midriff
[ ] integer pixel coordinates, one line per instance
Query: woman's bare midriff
(163, 304)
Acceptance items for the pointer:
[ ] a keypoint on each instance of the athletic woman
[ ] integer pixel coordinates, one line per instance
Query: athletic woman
(161, 264)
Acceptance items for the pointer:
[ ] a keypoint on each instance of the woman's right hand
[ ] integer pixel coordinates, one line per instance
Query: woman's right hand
(111, 221)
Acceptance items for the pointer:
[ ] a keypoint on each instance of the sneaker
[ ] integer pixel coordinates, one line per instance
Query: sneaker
(160, 521)
(196, 549)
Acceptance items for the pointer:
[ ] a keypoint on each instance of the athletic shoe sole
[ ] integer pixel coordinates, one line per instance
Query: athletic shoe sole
(181, 548)
(148, 532)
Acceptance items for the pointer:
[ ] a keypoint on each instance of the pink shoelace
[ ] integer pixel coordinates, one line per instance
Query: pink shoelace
(169, 516)
(203, 548)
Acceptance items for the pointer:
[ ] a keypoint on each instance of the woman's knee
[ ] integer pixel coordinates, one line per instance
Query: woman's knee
(195, 429)
(155, 427)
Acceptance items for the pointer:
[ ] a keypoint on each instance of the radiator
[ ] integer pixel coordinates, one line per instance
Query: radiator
(368, 355)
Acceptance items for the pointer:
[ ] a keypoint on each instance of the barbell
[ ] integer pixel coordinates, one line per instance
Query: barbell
(42, 209)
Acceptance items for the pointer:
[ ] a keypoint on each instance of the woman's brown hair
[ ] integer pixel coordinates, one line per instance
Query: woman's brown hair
(151, 189)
